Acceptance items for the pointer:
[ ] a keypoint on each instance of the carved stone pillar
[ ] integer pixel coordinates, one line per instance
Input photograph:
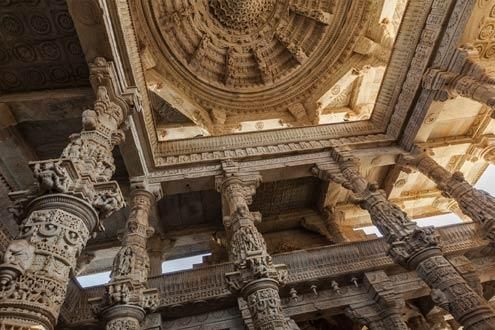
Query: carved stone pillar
(383, 308)
(127, 295)
(256, 279)
(63, 209)
(460, 85)
(465, 267)
(466, 77)
(476, 204)
(413, 247)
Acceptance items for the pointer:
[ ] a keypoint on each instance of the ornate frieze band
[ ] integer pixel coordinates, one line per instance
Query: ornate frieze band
(334, 262)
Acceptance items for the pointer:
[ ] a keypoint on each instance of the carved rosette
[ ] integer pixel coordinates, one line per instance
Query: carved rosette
(63, 209)
(255, 278)
(412, 247)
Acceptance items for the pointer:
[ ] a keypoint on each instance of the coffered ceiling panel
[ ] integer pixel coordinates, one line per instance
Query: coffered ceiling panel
(39, 48)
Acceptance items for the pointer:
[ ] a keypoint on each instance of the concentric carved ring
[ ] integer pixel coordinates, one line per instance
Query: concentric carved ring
(250, 55)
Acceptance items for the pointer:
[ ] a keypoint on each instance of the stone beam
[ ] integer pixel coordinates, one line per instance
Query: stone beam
(48, 95)
(346, 261)
(444, 59)
(283, 167)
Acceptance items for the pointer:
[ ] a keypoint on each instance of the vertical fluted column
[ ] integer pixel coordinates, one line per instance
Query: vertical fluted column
(382, 310)
(127, 295)
(58, 215)
(256, 278)
(475, 203)
(413, 247)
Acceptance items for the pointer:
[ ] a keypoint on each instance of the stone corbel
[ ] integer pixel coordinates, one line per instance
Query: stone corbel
(299, 112)
(484, 150)
(366, 46)
(464, 77)
(383, 309)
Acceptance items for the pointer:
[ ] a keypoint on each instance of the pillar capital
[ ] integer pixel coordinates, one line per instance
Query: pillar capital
(143, 183)
(464, 77)
(475, 203)
(237, 191)
(234, 178)
(123, 317)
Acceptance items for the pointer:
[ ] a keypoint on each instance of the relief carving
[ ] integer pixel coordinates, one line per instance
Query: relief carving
(255, 278)
(413, 247)
(63, 209)
(51, 177)
(475, 203)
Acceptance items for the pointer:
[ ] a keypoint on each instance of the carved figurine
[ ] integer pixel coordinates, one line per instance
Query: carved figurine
(106, 203)
(89, 119)
(51, 177)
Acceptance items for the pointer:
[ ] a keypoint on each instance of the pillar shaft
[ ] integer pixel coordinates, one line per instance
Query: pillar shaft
(126, 317)
(465, 77)
(62, 210)
(475, 203)
(414, 248)
(255, 279)
(127, 291)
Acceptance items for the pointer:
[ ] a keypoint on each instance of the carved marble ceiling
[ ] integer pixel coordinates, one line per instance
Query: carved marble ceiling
(237, 66)
(39, 47)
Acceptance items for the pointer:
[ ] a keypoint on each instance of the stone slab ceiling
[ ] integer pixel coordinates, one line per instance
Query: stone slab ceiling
(39, 48)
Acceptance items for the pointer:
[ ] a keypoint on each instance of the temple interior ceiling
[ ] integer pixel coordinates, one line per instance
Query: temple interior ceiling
(284, 64)
(39, 47)
(258, 104)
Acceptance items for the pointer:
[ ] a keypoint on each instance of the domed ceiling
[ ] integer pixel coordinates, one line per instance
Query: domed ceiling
(223, 63)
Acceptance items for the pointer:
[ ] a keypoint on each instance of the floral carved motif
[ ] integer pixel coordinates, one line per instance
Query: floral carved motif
(123, 324)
